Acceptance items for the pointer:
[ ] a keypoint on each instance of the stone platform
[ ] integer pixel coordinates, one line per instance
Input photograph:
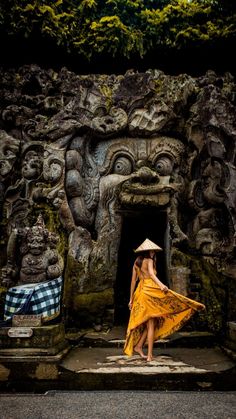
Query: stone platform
(29, 359)
(185, 361)
(45, 340)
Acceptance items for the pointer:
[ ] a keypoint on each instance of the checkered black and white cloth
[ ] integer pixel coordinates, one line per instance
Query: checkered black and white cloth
(42, 298)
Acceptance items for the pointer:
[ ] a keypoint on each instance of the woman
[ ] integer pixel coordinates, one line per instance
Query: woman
(156, 311)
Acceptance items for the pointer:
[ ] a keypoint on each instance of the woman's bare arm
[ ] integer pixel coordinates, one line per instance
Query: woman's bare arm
(151, 272)
(132, 286)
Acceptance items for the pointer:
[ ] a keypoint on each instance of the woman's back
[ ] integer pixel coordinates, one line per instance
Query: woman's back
(145, 268)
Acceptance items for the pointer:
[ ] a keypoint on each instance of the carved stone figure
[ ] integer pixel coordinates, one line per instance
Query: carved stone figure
(19, 195)
(40, 260)
(9, 149)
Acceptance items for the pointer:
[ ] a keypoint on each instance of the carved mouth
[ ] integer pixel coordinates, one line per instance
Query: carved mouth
(149, 189)
(136, 194)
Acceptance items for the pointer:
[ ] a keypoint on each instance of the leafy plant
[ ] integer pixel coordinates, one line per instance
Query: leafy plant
(119, 27)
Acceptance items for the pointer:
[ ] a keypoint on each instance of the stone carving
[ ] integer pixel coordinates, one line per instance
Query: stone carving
(40, 260)
(213, 171)
(9, 149)
(113, 122)
(152, 120)
(18, 196)
(128, 174)
(86, 150)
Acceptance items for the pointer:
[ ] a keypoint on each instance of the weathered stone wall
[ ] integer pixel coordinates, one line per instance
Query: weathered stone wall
(84, 150)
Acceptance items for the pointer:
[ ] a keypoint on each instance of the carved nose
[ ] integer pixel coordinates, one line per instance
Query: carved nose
(146, 175)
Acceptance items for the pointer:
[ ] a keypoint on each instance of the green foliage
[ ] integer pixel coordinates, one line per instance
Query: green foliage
(120, 27)
(110, 35)
(45, 18)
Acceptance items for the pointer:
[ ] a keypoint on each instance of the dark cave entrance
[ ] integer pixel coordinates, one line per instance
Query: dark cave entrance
(136, 227)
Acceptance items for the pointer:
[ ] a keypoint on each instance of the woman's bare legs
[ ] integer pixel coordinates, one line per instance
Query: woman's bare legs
(139, 347)
(150, 338)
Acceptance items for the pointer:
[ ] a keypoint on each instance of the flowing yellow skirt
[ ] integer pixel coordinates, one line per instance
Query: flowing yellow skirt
(171, 310)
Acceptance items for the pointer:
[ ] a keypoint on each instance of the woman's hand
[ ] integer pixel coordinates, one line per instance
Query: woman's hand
(165, 289)
(130, 305)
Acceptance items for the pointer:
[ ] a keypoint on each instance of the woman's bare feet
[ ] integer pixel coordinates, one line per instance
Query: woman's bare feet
(149, 358)
(140, 352)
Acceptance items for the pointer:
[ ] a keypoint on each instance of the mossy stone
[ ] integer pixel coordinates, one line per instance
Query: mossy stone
(92, 306)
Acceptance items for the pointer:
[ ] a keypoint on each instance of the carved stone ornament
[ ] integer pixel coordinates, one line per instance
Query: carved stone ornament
(39, 260)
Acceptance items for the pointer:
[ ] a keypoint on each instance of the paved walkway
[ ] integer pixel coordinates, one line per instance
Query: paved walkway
(120, 405)
(170, 360)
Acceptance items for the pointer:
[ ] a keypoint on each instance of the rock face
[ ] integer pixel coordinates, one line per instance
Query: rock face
(109, 160)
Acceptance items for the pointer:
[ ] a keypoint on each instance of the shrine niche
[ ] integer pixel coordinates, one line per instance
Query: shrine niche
(110, 160)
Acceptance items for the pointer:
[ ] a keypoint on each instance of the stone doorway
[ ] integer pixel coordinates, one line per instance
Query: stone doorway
(136, 227)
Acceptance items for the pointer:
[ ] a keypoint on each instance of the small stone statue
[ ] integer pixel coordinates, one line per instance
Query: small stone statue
(40, 261)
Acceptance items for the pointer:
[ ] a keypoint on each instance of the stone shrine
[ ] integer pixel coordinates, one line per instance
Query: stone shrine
(109, 160)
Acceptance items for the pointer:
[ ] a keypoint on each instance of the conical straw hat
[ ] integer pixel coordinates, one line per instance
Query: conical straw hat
(148, 245)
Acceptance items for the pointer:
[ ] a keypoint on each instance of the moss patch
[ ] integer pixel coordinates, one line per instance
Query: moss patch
(94, 301)
(90, 308)
(212, 290)
(72, 273)
(87, 308)
(53, 223)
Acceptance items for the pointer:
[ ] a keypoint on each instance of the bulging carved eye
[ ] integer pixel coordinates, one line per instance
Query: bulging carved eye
(9, 153)
(122, 166)
(164, 166)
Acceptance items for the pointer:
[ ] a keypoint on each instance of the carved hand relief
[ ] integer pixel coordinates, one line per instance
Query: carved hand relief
(151, 120)
(53, 165)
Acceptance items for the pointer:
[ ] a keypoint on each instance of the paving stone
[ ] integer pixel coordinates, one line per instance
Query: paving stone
(177, 360)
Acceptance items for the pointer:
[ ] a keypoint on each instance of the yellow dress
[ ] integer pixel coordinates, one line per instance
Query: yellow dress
(171, 310)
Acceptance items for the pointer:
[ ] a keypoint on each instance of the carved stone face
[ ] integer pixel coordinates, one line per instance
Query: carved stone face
(208, 241)
(146, 170)
(213, 178)
(32, 165)
(9, 148)
(126, 172)
(36, 244)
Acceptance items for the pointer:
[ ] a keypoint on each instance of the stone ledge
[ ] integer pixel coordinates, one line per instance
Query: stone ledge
(113, 340)
(43, 338)
(10, 356)
(100, 369)
(230, 353)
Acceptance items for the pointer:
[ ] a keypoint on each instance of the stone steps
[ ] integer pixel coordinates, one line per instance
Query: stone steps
(94, 368)
(183, 361)
(116, 339)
